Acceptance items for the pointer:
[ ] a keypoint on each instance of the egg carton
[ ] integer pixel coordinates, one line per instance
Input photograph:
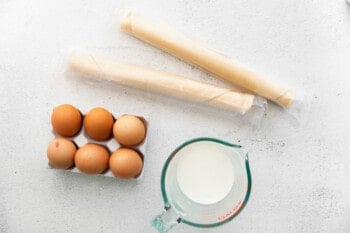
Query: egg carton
(111, 144)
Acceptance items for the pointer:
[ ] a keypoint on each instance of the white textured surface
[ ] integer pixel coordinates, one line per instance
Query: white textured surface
(300, 174)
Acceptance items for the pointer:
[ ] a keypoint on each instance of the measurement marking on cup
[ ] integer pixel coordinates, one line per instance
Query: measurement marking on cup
(231, 212)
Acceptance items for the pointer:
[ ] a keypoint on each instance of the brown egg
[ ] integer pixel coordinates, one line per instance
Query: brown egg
(66, 120)
(125, 163)
(60, 153)
(129, 130)
(92, 159)
(98, 124)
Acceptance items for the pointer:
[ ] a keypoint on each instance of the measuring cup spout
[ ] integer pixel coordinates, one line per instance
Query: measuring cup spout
(237, 149)
(166, 220)
(243, 154)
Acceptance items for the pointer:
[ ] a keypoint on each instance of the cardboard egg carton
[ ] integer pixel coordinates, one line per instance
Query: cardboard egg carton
(111, 144)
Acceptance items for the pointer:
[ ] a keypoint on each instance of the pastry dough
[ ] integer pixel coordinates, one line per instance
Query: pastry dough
(161, 82)
(193, 52)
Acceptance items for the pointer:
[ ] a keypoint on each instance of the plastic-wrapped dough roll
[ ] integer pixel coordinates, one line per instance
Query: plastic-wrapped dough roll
(161, 82)
(181, 46)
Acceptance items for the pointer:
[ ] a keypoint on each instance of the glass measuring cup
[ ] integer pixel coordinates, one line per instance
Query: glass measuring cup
(205, 183)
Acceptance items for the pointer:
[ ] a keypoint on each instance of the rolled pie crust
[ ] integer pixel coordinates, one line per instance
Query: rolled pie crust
(193, 52)
(160, 82)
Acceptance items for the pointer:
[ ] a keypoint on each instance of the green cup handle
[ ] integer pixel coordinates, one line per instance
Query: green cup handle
(166, 220)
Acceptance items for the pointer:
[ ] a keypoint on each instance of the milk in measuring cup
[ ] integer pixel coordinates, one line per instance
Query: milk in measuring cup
(205, 173)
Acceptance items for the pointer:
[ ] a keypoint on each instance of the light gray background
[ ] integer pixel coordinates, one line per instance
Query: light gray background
(300, 173)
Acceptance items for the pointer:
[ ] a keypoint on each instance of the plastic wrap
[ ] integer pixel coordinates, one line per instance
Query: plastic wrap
(298, 111)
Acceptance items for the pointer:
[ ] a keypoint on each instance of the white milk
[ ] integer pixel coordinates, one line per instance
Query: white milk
(205, 173)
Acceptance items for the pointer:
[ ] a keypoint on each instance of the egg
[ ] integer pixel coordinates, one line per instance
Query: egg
(98, 124)
(66, 120)
(129, 130)
(60, 153)
(92, 159)
(125, 163)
